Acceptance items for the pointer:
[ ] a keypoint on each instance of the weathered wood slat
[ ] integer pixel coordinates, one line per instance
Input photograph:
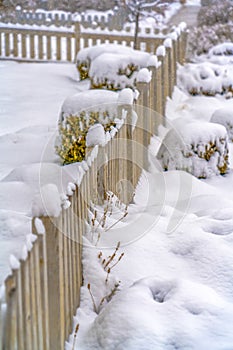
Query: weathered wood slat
(40, 47)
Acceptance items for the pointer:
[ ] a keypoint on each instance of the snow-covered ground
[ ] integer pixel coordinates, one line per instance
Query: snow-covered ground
(173, 288)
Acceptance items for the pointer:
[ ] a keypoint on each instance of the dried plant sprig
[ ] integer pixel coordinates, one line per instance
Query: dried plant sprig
(116, 222)
(75, 335)
(113, 255)
(110, 295)
(119, 259)
(92, 298)
(108, 272)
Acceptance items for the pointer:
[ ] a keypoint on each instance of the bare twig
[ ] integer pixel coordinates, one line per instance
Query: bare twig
(92, 298)
(75, 335)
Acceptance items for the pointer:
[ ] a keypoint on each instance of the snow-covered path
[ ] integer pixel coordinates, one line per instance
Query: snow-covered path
(187, 13)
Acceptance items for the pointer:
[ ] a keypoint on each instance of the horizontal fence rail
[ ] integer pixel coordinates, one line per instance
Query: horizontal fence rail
(43, 292)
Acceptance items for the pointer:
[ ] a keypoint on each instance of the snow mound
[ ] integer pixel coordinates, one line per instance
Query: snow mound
(161, 314)
(198, 148)
(87, 56)
(47, 202)
(91, 100)
(225, 49)
(144, 76)
(205, 78)
(224, 116)
(95, 135)
(81, 112)
(115, 72)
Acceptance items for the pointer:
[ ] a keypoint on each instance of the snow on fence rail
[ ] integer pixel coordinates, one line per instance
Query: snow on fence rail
(38, 43)
(40, 297)
(110, 20)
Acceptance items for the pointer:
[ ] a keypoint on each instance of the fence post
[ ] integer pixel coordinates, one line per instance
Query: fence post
(143, 111)
(10, 331)
(170, 71)
(184, 38)
(54, 252)
(77, 37)
(161, 54)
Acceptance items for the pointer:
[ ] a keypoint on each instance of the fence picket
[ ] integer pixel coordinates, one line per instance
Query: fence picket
(15, 44)
(7, 44)
(40, 47)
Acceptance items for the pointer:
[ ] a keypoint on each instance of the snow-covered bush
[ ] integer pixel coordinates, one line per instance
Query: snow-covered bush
(198, 148)
(202, 39)
(214, 26)
(115, 72)
(88, 54)
(224, 116)
(224, 49)
(205, 78)
(219, 12)
(87, 119)
(112, 66)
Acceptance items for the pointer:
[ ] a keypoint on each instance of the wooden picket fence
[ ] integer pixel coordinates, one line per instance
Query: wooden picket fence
(27, 43)
(111, 21)
(43, 293)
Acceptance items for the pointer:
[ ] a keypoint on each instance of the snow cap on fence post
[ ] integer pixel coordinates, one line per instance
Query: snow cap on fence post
(39, 226)
(125, 101)
(168, 43)
(95, 135)
(152, 62)
(14, 262)
(182, 26)
(161, 51)
(144, 76)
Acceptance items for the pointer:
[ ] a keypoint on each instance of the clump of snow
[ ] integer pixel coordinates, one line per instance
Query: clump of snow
(153, 61)
(2, 292)
(30, 239)
(168, 43)
(47, 202)
(182, 26)
(144, 76)
(125, 97)
(24, 252)
(95, 135)
(14, 262)
(173, 36)
(198, 148)
(161, 51)
(70, 188)
(224, 116)
(40, 229)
